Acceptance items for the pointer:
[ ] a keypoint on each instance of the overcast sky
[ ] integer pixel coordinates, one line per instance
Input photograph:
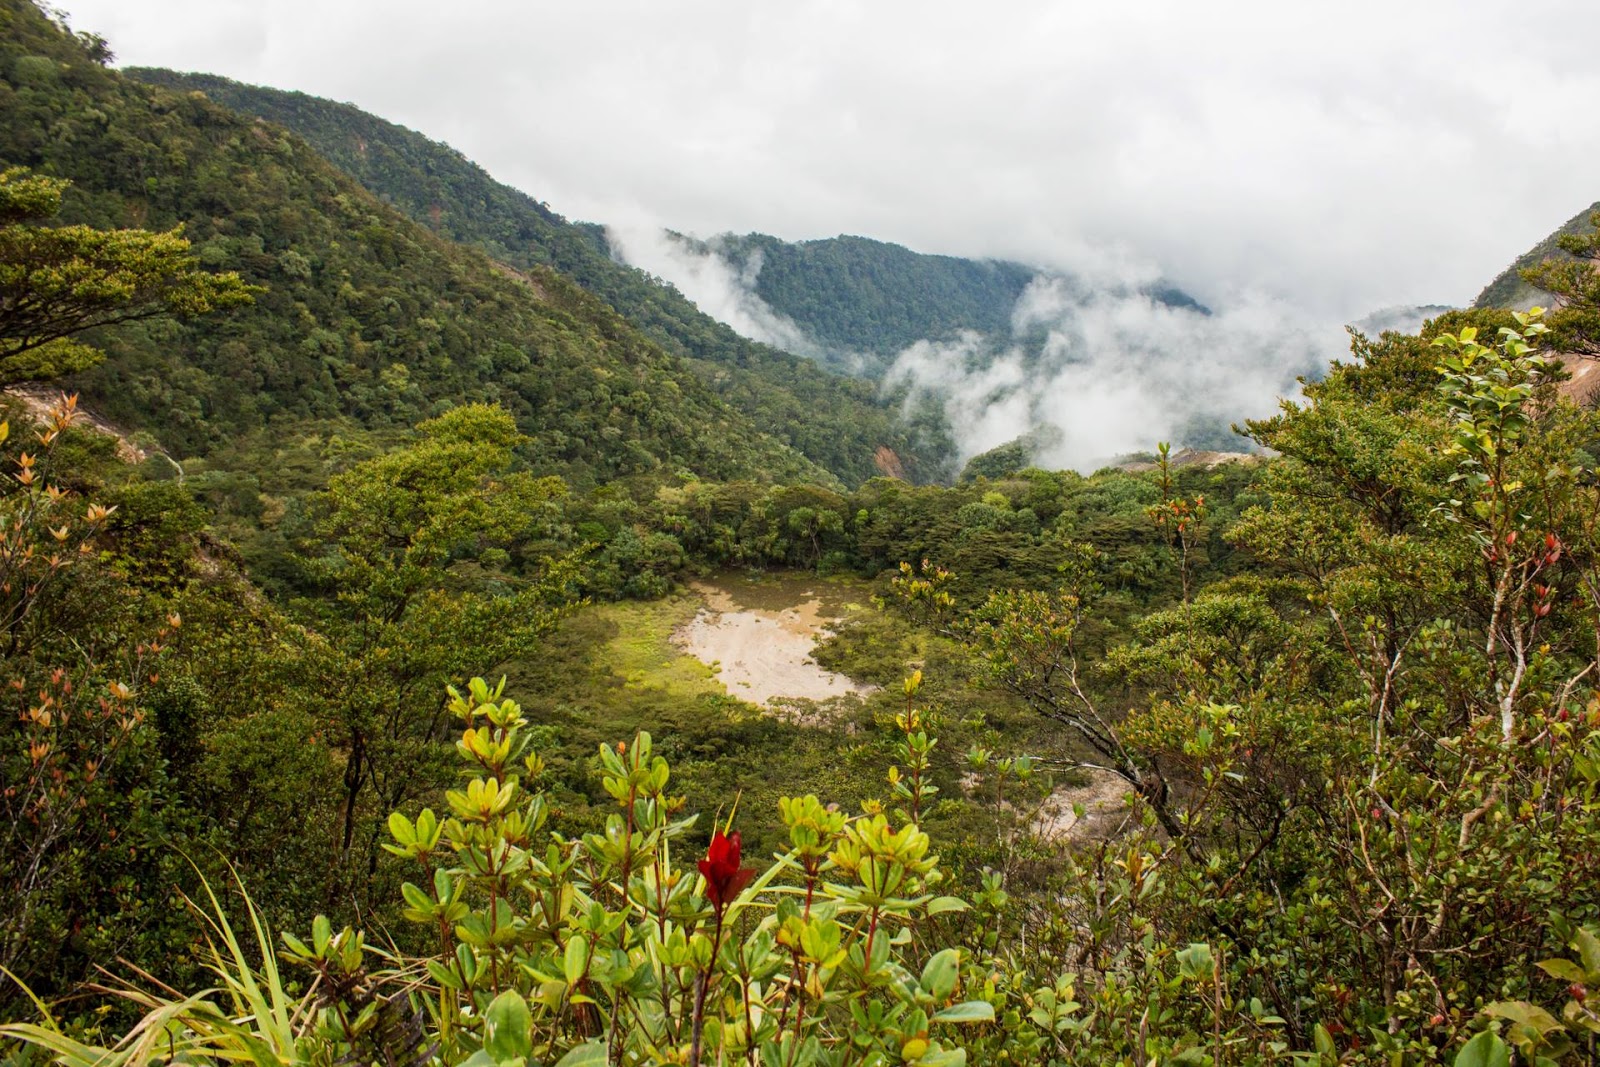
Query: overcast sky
(1341, 157)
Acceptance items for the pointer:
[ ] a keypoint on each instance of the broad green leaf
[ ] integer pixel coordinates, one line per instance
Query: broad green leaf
(588, 1054)
(1524, 1014)
(1322, 1041)
(1196, 963)
(940, 905)
(576, 962)
(1588, 947)
(1565, 970)
(509, 1028)
(940, 973)
(970, 1011)
(1484, 1050)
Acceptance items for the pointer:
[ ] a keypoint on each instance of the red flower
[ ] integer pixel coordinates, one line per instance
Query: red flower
(724, 877)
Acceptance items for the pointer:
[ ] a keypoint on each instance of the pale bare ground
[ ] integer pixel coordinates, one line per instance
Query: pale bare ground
(1193, 457)
(763, 655)
(38, 400)
(1105, 810)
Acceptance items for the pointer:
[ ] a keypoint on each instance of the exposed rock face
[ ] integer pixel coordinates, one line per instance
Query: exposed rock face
(889, 463)
(39, 399)
(1583, 388)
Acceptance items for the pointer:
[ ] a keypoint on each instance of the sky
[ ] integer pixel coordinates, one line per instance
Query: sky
(1342, 158)
(1294, 166)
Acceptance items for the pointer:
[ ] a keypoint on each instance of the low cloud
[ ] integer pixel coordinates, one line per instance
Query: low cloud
(1101, 373)
(1346, 158)
(722, 289)
(1093, 367)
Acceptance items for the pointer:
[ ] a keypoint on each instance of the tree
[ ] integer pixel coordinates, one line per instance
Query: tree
(1575, 283)
(412, 603)
(58, 281)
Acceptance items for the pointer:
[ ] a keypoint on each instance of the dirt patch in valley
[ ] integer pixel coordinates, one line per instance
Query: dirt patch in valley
(1105, 810)
(760, 642)
(1192, 457)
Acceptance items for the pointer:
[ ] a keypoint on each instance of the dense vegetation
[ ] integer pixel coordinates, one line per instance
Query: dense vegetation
(838, 423)
(263, 807)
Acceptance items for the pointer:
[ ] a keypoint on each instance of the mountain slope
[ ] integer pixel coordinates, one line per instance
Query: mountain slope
(838, 423)
(370, 322)
(1508, 290)
(872, 296)
(875, 299)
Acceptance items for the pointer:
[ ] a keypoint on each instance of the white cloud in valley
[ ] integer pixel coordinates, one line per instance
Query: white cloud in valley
(1117, 372)
(1346, 156)
(719, 288)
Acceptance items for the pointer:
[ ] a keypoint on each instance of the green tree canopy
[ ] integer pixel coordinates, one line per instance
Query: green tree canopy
(57, 281)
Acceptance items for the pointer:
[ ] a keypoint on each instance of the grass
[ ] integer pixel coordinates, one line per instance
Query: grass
(642, 652)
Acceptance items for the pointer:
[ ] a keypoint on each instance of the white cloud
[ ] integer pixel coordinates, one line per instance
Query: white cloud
(1293, 166)
(719, 288)
(1118, 372)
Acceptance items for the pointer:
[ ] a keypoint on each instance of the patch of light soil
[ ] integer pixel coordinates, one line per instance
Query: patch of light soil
(1104, 804)
(763, 655)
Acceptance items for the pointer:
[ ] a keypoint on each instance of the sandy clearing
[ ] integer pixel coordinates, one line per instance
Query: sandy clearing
(1104, 809)
(763, 655)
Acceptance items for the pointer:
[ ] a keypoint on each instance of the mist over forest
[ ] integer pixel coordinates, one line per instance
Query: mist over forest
(1089, 368)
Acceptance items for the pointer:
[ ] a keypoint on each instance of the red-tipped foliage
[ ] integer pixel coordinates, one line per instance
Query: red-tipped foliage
(724, 877)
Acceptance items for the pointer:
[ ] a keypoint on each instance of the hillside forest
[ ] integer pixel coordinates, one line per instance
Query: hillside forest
(346, 550)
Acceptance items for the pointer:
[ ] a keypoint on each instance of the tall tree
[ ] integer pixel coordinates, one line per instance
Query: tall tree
(423, 587)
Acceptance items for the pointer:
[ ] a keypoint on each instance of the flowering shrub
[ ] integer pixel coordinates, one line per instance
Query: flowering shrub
(610, 949)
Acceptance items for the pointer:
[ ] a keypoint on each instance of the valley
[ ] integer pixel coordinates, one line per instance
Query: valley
(433, 636)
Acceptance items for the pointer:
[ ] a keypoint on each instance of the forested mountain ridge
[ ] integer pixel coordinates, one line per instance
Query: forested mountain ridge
(856, 293)
(838, 423)
(369, 322)
(849, 294)
(1510, 290)
(874, 298)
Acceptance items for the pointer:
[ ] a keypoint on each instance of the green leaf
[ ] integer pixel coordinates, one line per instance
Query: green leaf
(1524, 1014)
(443, 975)
(1484, 1050)
(970, 1011)
(939, 976)
(940, 905)
(509, 1028)
(1588, 947)
(576, 962)
(588, 1054)
(1196, 963)
(1322, 1041)
(1565, 970)
(401, 830)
